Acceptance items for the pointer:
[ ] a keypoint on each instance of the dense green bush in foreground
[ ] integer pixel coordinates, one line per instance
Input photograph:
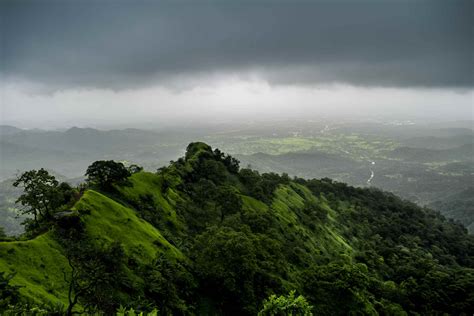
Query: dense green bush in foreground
(204, 237)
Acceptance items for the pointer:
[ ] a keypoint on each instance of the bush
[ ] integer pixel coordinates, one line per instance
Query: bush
(286, 305)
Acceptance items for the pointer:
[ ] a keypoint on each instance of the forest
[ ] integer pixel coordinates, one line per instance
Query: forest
(204, 236)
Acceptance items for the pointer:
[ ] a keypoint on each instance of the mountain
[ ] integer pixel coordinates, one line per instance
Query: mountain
(435, 185)
(68, 152)
(311, 164)
(459, 206)
(9, 130)
(432, 142)
(19, 157)
(203, 236)
(461, 153)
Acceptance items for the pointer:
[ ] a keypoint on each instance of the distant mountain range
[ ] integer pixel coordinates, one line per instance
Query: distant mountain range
(9, 130)
(70, 151)
(460, 153)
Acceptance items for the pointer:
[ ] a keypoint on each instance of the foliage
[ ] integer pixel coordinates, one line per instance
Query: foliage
(94, 275)
(226, 259)
(133, 168)
(339, 287)
(105, 173)
(32, 310)
(9, 294)
(227, 201)
(42, 194)
(262, 186)
(169, 285)
(122, 311)
(286, 306)
(203, 236)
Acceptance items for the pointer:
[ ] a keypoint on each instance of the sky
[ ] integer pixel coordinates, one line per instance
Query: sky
(92, 63)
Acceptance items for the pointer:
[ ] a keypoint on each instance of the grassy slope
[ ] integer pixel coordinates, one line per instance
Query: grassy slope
(287, 206)
(111, 221)
(147, 183)
(39, 262)
(326, 238)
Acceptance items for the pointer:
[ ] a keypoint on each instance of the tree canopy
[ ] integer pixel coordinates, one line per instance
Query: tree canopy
(105, 173)
(290, 305)
(42, 195)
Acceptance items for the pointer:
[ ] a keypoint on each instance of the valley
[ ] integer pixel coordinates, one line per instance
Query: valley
(343, 151)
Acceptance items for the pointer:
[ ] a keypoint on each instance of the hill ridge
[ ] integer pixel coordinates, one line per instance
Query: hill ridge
(203, 236)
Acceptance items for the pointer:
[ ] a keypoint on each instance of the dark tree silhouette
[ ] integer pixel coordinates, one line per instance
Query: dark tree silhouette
(41, 193)
(105, 173)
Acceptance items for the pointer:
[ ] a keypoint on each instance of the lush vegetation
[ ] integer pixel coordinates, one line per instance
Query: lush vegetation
(204, 237)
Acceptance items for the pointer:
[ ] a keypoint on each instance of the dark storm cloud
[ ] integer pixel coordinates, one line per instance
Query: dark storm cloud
(114, 44)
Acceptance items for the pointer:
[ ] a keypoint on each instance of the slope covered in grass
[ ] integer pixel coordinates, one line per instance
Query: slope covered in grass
(150, 185)
(111, 221)
(39, 263)
(288, 206)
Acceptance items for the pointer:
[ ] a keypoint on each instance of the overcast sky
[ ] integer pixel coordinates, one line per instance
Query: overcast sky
(84, 62)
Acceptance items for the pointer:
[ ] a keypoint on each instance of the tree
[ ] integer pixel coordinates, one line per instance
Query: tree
(105, 173)
(315, 210)
(226, 263)
(94, 274)
(228, 201)
(232, 164)
(41, 194)
(202, 192)
(134, 168)
(286, 306)
(251, 179)
(9, 294)
(168, 285)
(212, 170)
(339, 287)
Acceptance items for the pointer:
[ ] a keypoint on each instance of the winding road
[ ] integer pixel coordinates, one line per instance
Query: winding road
(372, 173)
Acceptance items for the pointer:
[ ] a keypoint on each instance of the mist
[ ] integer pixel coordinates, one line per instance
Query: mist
(228, 99)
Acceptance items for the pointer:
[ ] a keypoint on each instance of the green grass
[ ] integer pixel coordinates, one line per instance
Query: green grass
(251, 204)
(357, 147)
(39, 264)
(326, 238)
(147, 183)
(287, 203)
(111, 221)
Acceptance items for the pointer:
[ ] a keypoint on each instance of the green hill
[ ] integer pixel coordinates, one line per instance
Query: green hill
(40, 263)
(204, 237)
(460, 153)
(459, 206)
